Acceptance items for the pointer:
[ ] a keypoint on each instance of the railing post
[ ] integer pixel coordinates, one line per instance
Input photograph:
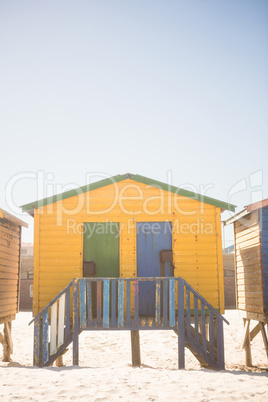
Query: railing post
(37, 343)
(220, 343)
(181, 329)
(75, 323)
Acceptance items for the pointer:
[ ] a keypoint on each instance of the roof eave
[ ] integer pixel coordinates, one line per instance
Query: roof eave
(29, 208)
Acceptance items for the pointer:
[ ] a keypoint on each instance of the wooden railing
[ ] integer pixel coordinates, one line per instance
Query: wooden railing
(114, 304)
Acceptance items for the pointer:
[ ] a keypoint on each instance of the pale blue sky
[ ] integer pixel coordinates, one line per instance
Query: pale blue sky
(147, 87)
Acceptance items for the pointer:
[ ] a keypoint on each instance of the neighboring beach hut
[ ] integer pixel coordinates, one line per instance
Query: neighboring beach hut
(10, 241)
(251, 264)
(128, 226)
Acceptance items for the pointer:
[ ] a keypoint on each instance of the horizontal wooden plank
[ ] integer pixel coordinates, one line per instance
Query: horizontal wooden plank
(255, 280)
(12, 234)
(67, 254)
(193, 247)
(4, 242)
(9, 257)
(5, 288)
(9, 266)
(54, 282)
(189, 238)
(49, 271)
(247, 231)
(193, 264)
(208, 254)
(250, 295)
(250, 268)
(248, 253)
(249, 243)
(246, 275)
(74, 262)
(58, 241)
(251, 301)
(249, 288)
(249, 261)
(60, 248)
(253, 309)
(8, 304)
(8, 298)
(247, 240)
(8, 275)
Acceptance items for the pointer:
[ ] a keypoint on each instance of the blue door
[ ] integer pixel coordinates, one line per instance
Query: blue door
(152, 239)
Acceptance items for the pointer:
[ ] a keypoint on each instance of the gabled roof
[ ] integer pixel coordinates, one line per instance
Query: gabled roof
(6, 215)
(248, 208)
(116, 179)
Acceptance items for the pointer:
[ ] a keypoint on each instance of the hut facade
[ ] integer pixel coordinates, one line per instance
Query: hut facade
(10, 244)
(127, 226)
(251, 266)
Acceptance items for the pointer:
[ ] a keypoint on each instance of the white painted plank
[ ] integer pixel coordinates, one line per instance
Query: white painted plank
(53, 329)
(61, 320)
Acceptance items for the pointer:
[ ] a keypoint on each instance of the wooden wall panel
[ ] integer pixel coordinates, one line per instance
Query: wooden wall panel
(9, 268)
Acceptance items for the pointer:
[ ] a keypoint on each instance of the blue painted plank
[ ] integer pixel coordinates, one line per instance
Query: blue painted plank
(203, 324)
(136, 303)
(99, 294)
(45, 329)
(106, 303)
(157, 301)
(67, 314)
(165, 301)
(188, 313)
(128, 302)
(211, 335)
(114, 282)
(82, 303)
(37, 346)
(196, 334)
(121, 306)
(220, 342)
(75, 322)
(181, 330)
(172, 302)
(89, 302)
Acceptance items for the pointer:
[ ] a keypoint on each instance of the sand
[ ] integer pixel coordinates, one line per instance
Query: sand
(105, 372)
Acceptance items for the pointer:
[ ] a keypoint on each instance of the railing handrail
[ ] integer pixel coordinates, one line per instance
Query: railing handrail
(64, 290)
(133, 279)
(209, 306)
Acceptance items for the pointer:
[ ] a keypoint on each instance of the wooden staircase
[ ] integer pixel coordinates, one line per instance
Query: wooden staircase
(113, 304)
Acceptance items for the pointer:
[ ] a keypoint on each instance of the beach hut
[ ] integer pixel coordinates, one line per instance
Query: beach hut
(128, 226)
(251, 266)
(10, 243)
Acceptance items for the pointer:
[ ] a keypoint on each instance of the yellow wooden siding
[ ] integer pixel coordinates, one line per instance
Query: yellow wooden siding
(59, 237)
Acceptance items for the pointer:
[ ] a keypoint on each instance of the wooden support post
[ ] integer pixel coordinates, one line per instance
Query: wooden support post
(7, 344)
(37, 343)
(59, 361)
(135, 348)
(220, 343)
(246, 342)
(75, 324)
(181, 326)
(264, 337)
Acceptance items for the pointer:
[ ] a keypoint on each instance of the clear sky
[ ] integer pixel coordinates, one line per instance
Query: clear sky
(172, 90)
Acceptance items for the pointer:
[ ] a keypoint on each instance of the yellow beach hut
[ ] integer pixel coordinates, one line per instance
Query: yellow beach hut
(128, 226)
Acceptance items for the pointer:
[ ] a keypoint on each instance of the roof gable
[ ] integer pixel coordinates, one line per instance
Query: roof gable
(116, 179)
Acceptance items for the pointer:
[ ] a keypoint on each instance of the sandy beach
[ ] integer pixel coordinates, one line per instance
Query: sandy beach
(105, 372)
